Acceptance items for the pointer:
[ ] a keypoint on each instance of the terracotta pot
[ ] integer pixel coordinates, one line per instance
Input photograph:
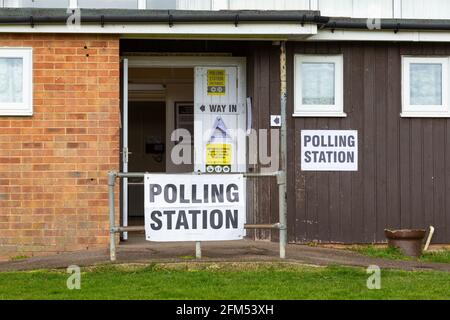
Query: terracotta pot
(409, 242)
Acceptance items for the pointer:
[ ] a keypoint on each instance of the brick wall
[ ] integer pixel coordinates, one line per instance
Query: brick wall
(53, 165)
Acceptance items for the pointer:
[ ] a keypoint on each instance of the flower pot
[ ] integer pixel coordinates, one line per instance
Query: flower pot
(409, 242)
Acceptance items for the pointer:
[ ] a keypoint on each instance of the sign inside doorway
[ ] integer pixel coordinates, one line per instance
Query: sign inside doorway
(219, 148)
(219, 116)
(194, 207)
(216, 82)
(329, 150)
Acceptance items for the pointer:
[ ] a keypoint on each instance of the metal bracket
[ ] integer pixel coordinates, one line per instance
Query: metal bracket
(236, 20)
(397, 28)
(281, 177)
(125, 155)
(112, 175)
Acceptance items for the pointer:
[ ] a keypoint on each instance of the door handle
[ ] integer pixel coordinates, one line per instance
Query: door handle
(125, 153)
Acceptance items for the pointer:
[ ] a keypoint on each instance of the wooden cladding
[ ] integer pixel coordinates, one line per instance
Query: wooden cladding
(404, 163)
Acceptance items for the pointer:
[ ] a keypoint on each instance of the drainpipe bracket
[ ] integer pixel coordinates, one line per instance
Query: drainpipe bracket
(281, 177)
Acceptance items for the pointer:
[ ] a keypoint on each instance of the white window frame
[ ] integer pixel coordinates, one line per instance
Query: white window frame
(430, 111)
(24, 108)
(335, 110)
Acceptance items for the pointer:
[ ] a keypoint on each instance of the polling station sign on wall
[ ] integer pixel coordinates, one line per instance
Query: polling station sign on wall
(329, 150)
(194, 207)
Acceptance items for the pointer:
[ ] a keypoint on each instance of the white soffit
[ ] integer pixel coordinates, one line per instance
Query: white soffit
(381, 35)
(288, 31)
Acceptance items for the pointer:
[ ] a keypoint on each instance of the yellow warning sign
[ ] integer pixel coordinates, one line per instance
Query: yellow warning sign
(216, 82)
(218, 154)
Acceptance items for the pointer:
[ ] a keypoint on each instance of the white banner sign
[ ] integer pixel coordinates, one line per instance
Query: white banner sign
(329, 150)
(194, 207)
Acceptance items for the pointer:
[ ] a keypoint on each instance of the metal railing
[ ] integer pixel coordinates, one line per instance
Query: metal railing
(113, 229)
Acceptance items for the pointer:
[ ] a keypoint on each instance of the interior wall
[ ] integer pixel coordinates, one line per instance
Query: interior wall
(179, 87)
(146, 126)
(152, 120)
(176, 93)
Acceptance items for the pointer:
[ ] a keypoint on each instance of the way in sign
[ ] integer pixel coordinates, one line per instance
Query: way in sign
(220, 108)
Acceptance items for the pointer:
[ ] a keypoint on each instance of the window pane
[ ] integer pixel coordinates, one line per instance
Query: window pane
(108, 4)
(11, 80)
(36, 3)
(425, 84)
(318, 83)
(161, 4)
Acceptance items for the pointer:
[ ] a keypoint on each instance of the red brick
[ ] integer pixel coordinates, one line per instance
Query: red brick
(53, 165)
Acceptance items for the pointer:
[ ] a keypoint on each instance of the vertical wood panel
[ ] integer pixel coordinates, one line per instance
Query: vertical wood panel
(439, 180)
(263, 110)
(445, 226)
(274, 87)
(381, 117)
(404, 172)
(251, 190)
(295, 187)
(345, 182)
(416, 172)
(357, 101)
(265, 93)
(428, 178)
(369, 146)
(393, 141)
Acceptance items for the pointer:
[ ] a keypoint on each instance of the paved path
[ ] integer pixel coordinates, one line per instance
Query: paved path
(140, 252)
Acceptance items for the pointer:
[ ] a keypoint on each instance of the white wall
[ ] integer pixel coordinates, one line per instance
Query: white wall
(406, 9)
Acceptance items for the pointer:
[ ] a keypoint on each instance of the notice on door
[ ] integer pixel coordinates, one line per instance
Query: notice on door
(218, 154)
(216, 82)
(329, 150)
(194, 207)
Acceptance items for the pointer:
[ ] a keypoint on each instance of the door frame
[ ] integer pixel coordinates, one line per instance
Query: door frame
(171, 62)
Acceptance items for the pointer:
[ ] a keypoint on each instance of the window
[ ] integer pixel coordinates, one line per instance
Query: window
(318, 86)
(425, 83)
(16, 82)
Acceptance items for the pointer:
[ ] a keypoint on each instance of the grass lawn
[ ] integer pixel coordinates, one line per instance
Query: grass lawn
(442, 256)
(224, 281)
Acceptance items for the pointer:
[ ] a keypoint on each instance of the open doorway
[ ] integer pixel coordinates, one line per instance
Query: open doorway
(163, 93)
(160, 100)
